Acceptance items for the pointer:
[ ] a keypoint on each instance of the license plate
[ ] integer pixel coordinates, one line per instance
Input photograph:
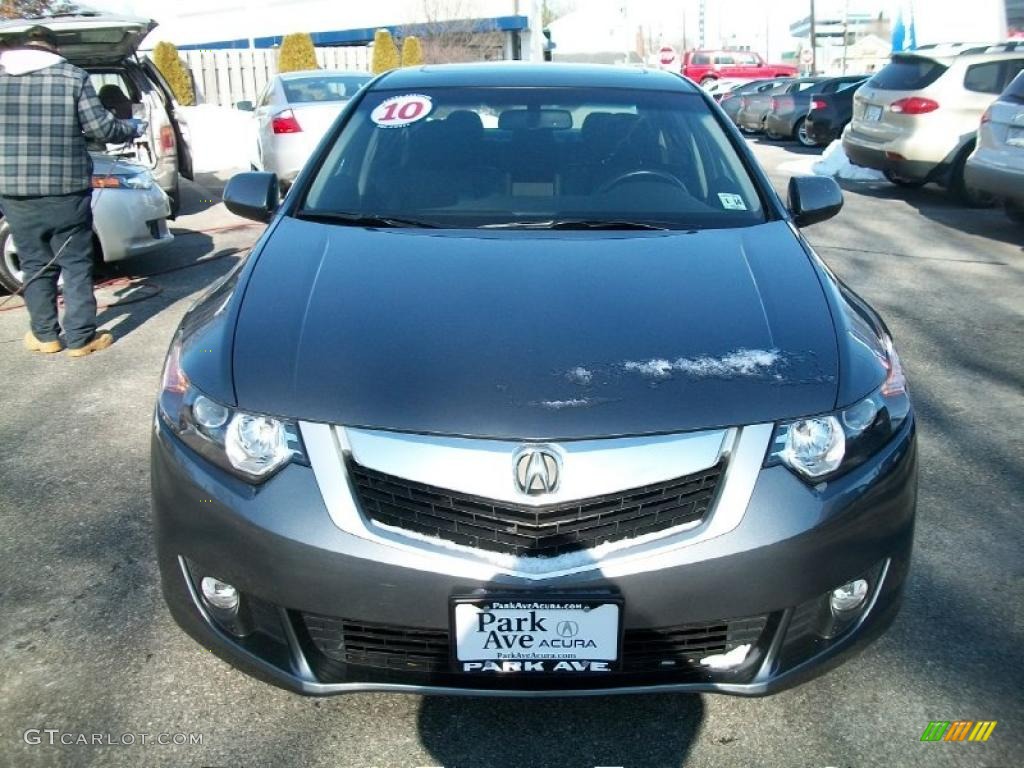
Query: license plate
(1015, 137)
(872, 113)
(519, 635)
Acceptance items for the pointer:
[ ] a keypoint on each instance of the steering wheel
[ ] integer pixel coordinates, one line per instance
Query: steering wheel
(632, 176)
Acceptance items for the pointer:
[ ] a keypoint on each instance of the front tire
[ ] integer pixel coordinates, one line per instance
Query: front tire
(11, 275)
(707, 80)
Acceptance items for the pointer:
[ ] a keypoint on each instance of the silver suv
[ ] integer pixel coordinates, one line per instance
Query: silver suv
(997, 164)
(917, 118)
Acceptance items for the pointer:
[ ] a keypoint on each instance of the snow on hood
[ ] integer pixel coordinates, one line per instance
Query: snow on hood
(25, 60)
(516, 564)
(741, 362)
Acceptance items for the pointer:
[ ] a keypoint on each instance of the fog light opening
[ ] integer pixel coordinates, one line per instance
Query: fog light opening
(849, 597)
(219, 594)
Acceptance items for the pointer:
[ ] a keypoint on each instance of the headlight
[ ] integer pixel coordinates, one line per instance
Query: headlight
(249, 445)
(140, 180)
(825, 446)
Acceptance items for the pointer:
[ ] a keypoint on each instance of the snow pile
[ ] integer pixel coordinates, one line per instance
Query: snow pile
(733, 658)
(221, 138)
(834, 162)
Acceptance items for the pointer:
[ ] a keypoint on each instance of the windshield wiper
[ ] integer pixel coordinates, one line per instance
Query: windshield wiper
(575, 224)
(362, 219)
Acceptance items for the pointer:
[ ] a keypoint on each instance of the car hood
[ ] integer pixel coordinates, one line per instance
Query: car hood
(89, 37)
(534, 335)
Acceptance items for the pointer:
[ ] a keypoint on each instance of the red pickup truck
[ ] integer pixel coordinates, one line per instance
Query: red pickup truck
(704, 66)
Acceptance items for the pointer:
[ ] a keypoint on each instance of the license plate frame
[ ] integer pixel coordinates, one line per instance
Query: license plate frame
(1015, 136)
(872, 113)
(590, 612)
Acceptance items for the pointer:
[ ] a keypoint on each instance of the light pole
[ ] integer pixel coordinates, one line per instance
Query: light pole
(846, 33)
(814, 41)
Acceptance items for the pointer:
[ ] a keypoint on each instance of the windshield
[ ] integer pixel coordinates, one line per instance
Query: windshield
(298, 90)
(479, 157)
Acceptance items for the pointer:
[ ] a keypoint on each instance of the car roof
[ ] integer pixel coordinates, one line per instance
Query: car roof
(299, 74)
(947, 53)
(522, 74)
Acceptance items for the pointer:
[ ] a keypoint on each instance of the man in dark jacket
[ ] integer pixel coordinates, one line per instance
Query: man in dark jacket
(47, 109)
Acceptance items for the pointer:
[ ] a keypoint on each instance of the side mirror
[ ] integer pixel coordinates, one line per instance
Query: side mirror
(244, 106)
(812, 199)
(252, 195)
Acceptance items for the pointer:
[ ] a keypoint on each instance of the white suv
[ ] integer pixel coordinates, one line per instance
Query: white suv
(916, 119)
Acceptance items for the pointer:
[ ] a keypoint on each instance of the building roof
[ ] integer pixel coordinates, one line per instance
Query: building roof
(512, 73)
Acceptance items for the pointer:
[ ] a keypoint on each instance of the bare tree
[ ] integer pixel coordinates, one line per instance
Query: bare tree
(33, 9)
(556, 9)
(450, 34)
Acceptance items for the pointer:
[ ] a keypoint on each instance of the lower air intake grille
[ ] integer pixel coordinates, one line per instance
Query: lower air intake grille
(543, 531)
(411, 649)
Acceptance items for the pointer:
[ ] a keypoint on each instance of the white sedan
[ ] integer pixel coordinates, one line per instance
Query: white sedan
(129, 217)
(292, 114)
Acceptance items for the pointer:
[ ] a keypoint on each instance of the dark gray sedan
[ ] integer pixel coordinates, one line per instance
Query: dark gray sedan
(532, 387)
(732, 100)
(787, 112)
(754, 107)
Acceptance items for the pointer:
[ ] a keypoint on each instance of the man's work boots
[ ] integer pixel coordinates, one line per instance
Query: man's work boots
(32, 344)
(100, 340)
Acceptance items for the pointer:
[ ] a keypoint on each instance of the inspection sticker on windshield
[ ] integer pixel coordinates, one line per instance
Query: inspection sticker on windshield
(732, 202)
(400, 111)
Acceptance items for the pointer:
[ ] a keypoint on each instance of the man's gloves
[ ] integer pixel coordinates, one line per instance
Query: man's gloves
(140, 127)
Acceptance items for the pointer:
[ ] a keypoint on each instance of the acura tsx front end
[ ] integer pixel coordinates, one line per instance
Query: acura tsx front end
(532, 387)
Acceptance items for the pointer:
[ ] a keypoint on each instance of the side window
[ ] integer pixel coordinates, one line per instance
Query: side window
(701, 58)
(100, 79)
(724, 60)
(984, 78)
(1013, 68)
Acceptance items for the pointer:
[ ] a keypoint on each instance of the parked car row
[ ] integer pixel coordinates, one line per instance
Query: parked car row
(783, 108)
(927, 116)
(917, 120)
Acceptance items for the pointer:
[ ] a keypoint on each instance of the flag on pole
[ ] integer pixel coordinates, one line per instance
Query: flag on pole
(899, 32)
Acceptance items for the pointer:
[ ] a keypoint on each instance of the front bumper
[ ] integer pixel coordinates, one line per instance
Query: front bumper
(278, 545)
(130, 222)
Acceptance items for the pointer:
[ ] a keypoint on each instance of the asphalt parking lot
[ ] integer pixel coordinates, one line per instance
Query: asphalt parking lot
(87, 647)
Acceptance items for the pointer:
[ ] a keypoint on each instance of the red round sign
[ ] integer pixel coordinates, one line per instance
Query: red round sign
(667, 55)
(401, 110)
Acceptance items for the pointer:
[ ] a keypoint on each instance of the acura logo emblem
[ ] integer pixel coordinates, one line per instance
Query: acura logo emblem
(567, 629)
(536, 471)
